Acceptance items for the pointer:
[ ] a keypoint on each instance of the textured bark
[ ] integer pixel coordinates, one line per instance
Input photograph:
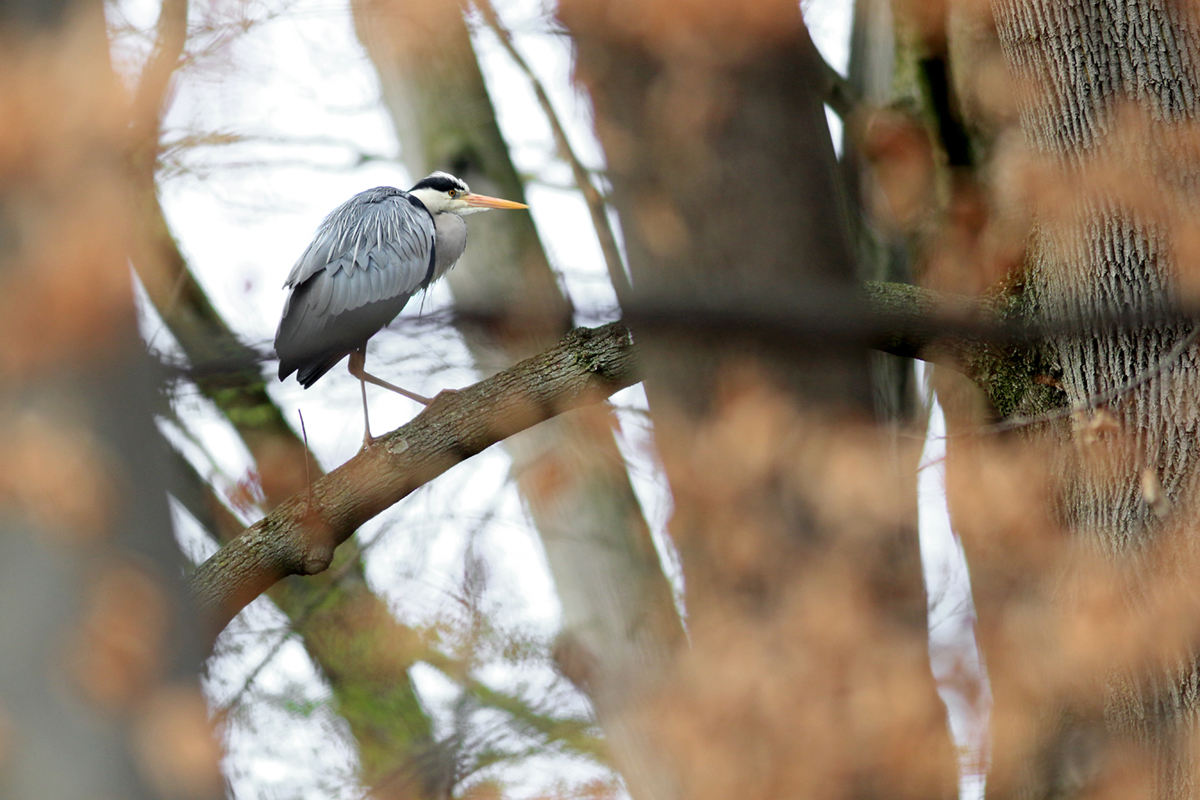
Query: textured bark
(619, 614)
(1108, 94)
(300, 536)
(725, 179)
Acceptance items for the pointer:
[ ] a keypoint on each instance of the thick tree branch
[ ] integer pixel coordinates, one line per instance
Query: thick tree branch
(585, 367)
(915, 325)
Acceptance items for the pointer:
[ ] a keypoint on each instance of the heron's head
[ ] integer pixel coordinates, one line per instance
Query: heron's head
(443, 193)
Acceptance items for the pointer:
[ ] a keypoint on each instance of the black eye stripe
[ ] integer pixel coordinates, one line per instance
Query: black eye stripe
(441, 182)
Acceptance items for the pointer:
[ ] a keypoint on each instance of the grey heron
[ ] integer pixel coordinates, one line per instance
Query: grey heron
(368, 257)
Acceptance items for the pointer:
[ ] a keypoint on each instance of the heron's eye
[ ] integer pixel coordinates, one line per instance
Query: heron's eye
(453, 193)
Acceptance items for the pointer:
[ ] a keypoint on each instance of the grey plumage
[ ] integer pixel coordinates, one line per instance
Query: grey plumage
(368, 257)
(372, 254)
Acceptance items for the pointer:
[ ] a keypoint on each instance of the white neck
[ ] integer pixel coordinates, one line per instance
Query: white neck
(434, 200)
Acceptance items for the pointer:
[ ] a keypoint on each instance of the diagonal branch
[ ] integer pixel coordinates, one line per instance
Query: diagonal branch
(596, 204)
(586, 366)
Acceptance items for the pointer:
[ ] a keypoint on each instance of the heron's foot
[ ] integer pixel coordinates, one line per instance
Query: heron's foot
(446, 392)
(368, 440)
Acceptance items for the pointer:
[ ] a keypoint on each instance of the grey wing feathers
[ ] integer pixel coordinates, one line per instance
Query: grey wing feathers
(378, 231)
(367, 258)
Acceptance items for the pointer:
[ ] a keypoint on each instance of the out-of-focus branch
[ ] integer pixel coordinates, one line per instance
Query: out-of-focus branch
(597, 207)
(914, 324)
(225, 369)
(896, 318)
(980, 338)
(300, 537)
(150, 101)
(87, 565)
(838, 93)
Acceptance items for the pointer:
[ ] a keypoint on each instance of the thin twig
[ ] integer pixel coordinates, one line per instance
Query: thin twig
(153, 90)
(1162, 367)
(307, 460)
(591, 195)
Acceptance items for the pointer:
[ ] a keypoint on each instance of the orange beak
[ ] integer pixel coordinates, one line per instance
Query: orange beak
(483, 201)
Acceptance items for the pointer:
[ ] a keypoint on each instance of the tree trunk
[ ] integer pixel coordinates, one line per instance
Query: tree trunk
(725, 178)
(1107, 94)
(99, 690)
(619, 616)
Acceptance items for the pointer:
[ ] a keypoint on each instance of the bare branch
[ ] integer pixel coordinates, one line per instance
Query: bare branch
(299, 537)
(583, 179)
(153, 89)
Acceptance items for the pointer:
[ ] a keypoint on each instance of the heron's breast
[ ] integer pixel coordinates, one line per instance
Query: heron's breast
(451, 241)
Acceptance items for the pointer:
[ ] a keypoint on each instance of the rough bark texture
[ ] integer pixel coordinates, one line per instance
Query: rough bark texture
(619, 614)
(1109, 92)
(1086, 61)
(300, 536)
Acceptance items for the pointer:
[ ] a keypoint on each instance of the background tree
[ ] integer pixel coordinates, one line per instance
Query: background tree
(1034, 167)
(98, 685)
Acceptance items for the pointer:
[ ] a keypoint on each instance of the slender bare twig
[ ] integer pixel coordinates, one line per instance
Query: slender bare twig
(307, 461)
(151, 100)
(591, 195)
(1094, 401)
